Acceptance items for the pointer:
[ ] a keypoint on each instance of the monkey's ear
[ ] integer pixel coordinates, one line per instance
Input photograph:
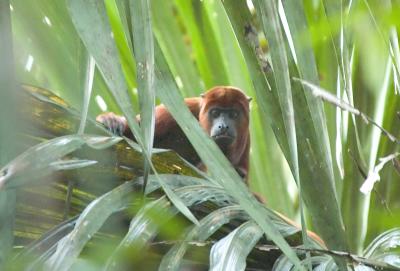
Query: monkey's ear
(202, 95)
(249, 99)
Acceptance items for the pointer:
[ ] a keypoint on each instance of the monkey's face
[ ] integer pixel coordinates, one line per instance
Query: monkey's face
(224, 114)
(223, 125)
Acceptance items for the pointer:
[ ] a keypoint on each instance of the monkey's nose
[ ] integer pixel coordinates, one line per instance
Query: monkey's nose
(223, 128)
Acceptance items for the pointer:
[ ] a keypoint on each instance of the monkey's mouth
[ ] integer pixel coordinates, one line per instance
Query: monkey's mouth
(223, 140)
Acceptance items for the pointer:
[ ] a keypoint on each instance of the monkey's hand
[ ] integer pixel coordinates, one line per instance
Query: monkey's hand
(114, 123)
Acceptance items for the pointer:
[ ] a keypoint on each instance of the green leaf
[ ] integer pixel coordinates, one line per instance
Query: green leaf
(145, 225)
(168, 32)
(94, 29)
(117, 16)
(89, 222)
(307, 67)
(99, 210)
(102, 142)
(316, 174)
(71, 164)
(144, 54)
(267, 104)
(171, 194)
(207, 227)
(36, 161)
(230, 253)
(208, 56)
(383, 245)
(268, 14)
(44, 158)
(87, 93)
(8, 128)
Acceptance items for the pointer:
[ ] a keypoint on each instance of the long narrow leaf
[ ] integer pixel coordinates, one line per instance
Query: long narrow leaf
(90, 220)
(308, 69)
(87, 93)
(272, 104)
(167, 30)
(91, 21)
(230, 253)
(208, 56)
(207, 226)
(382, 245)
(268, 14)
(35, 162)
(8, 125)
(93, 27)
(144, 54)
(118, 14)
(143, 227)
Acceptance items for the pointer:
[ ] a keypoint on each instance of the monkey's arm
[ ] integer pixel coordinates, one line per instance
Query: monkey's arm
(164, 122)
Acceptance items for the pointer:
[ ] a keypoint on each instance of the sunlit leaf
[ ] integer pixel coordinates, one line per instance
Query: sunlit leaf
(144, 54)
(144, 226)
(37, 160)
(230, 252)
(384, 245)
(207, 226)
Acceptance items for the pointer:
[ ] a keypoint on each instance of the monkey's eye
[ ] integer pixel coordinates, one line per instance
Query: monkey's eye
(214, 113)
(233, 114)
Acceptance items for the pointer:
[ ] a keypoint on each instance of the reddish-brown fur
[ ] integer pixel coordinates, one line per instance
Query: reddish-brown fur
(168, 134)
(238, 151)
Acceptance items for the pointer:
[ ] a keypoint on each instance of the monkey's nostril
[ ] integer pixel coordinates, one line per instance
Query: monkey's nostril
(223, 128)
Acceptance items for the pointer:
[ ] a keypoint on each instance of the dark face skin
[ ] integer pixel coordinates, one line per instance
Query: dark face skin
(223, 125)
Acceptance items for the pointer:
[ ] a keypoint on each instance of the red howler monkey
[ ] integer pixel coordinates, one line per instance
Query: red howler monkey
(222, 111)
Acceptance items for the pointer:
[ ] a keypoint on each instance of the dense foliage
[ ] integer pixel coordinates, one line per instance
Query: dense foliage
(324, 77)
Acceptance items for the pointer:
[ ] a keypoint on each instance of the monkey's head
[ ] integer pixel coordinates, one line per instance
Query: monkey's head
(224, 114)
